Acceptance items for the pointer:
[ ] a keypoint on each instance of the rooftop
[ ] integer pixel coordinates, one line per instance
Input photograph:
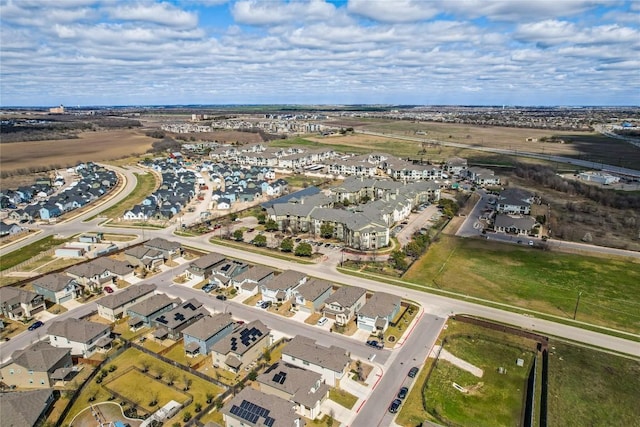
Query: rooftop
(121, 298)
(76, 329)
(334, 358)
(208, 326)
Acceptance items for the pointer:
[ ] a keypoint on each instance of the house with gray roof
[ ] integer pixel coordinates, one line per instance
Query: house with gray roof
(169, 248)
(254, 408)
(81, 336)
(202, 267)
(519, 225)
(378, 312)
(222, 273)
(311, 295)
(242, 347)
(281, 288)
(172, 322)
(200, 336)
(332, 363)
(300, 386)
(515, 201)
(34, 366)
(147, 258)
(142, 313)
(249, 281)
(25, 408)
(57, 287)
(114, 306)
(344, 303)
(16, 303)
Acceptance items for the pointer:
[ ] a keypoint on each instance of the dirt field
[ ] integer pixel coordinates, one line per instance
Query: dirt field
(91, 146)
(223, 136)
(584, 145)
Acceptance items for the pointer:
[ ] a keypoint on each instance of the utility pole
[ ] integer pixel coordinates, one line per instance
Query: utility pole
(576, 309)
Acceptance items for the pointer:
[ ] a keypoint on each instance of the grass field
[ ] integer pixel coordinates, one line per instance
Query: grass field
(146, 184)
(137, 387)
(591, 388)
(534, 279)
(585, 145)
(342, 397)
(16, 257)
(90, 146)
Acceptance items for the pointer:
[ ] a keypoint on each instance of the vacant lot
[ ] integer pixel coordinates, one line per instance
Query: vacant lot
(222, 136)
(90, 146)
(16, 257)
(591, 388)
(145, 185)
(585, 145)
(530, 278)
(139, 388)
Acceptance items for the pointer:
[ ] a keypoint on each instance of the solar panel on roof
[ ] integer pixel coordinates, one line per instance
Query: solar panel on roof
(234, 410)
(269, 422)
(244, 404)
(162, 320)
(254, 418)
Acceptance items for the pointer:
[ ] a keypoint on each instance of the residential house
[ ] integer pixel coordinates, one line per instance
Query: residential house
(344, 303)
(482, 176)
(83, 337)
(143, 312)
(147, 258)
(57, 287)
(515, 201)
(254, 408)
(16, 303)
(456, 166)
(114, 306)
(100, 272)
(519, 225)
(379, 311)
(26, 408)
(300, 386)
(169, 248)
(330, 362)
(221, 274)
(311, 295)
(200, 336)
(250, 280)
(281, 288)
(202, 268)
(242, 347)
(172, 322)
(34, 366)
(9, 229)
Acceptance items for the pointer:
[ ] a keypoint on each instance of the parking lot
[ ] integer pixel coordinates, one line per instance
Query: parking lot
(416, 221)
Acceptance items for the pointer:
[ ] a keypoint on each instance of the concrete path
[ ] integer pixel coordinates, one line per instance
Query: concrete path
(339, 412)
(462, 364)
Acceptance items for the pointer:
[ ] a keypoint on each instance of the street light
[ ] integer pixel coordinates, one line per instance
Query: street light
(576, 309)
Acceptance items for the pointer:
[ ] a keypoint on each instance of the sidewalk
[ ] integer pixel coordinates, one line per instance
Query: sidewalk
(462, 364)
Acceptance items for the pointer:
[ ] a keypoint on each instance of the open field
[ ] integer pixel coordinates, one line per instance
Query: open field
(584, 145)
(16, 257)
(90, 146)
(495, 399)
(146, 184)
(222, 136)
(534, 279)
(138, 387)
(591, 388)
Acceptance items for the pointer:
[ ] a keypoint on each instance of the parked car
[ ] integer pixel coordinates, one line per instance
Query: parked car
(209, 287)
(108, 290)
(35, 325)
(395, 405)
(375, 344)
(265, 305)
(322, 321)
(413, 372)
(259, 303)
(221, 297)
(403, 393)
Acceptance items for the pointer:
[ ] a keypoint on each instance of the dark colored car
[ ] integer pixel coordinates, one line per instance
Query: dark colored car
(395, 405)
(108, 290)
(403, 393)
(221, 297)
(413, 372)
(375, 344)
(35, 325)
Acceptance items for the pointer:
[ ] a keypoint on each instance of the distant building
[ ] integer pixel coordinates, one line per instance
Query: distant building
(57, 110)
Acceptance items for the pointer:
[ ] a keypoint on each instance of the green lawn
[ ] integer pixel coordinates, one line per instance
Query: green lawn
(545, 281)
(138, 387)
(29, 251)
(145, 186)
(342, 397)
(591, 388)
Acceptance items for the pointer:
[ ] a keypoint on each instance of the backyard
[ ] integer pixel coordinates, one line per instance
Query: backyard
(548, 282)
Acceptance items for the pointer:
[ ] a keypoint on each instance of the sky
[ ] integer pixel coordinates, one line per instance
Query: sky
(423, 52)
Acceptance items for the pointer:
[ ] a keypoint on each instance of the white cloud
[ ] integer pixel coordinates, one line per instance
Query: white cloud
(253, 12)
(158, 13)
(552, 32)
(393, 11)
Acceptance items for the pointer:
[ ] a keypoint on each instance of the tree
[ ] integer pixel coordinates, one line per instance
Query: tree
(198, 406)
(145, 366)
(398, 260)
(209, 397)
(326, 230)
(271, 225)
(303, 249)
(154, 399)
(266, 355)
(286, 245)
(238, 235)
(252, 375)
(413, 249)
(186, 381)
(260, 240)
(159, 372)
(262, 218)
(186, 416)
(171, 377)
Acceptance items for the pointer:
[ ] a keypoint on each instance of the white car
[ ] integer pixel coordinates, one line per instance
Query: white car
(322, 321)
(259, 303)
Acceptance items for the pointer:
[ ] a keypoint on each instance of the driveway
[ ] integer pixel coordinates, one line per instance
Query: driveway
(416, 221)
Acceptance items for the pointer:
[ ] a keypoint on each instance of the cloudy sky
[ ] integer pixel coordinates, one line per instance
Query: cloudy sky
(485, 52)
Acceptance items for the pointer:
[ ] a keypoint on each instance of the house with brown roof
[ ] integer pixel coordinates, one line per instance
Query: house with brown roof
(142, 256)
(168, 248)
(114, 306)
(143, 312)
(254, 408)
(242, 347)
(34, 366)
(200, 336)
(282, 287)
(304, 388)
(202, 267)
(344, 303)
(57, 287)
(330, 362)
(311, 295)
(81, 336)
(25, 408)
(16, 303)
(379, 311)
(249, 281)
(172, 322)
